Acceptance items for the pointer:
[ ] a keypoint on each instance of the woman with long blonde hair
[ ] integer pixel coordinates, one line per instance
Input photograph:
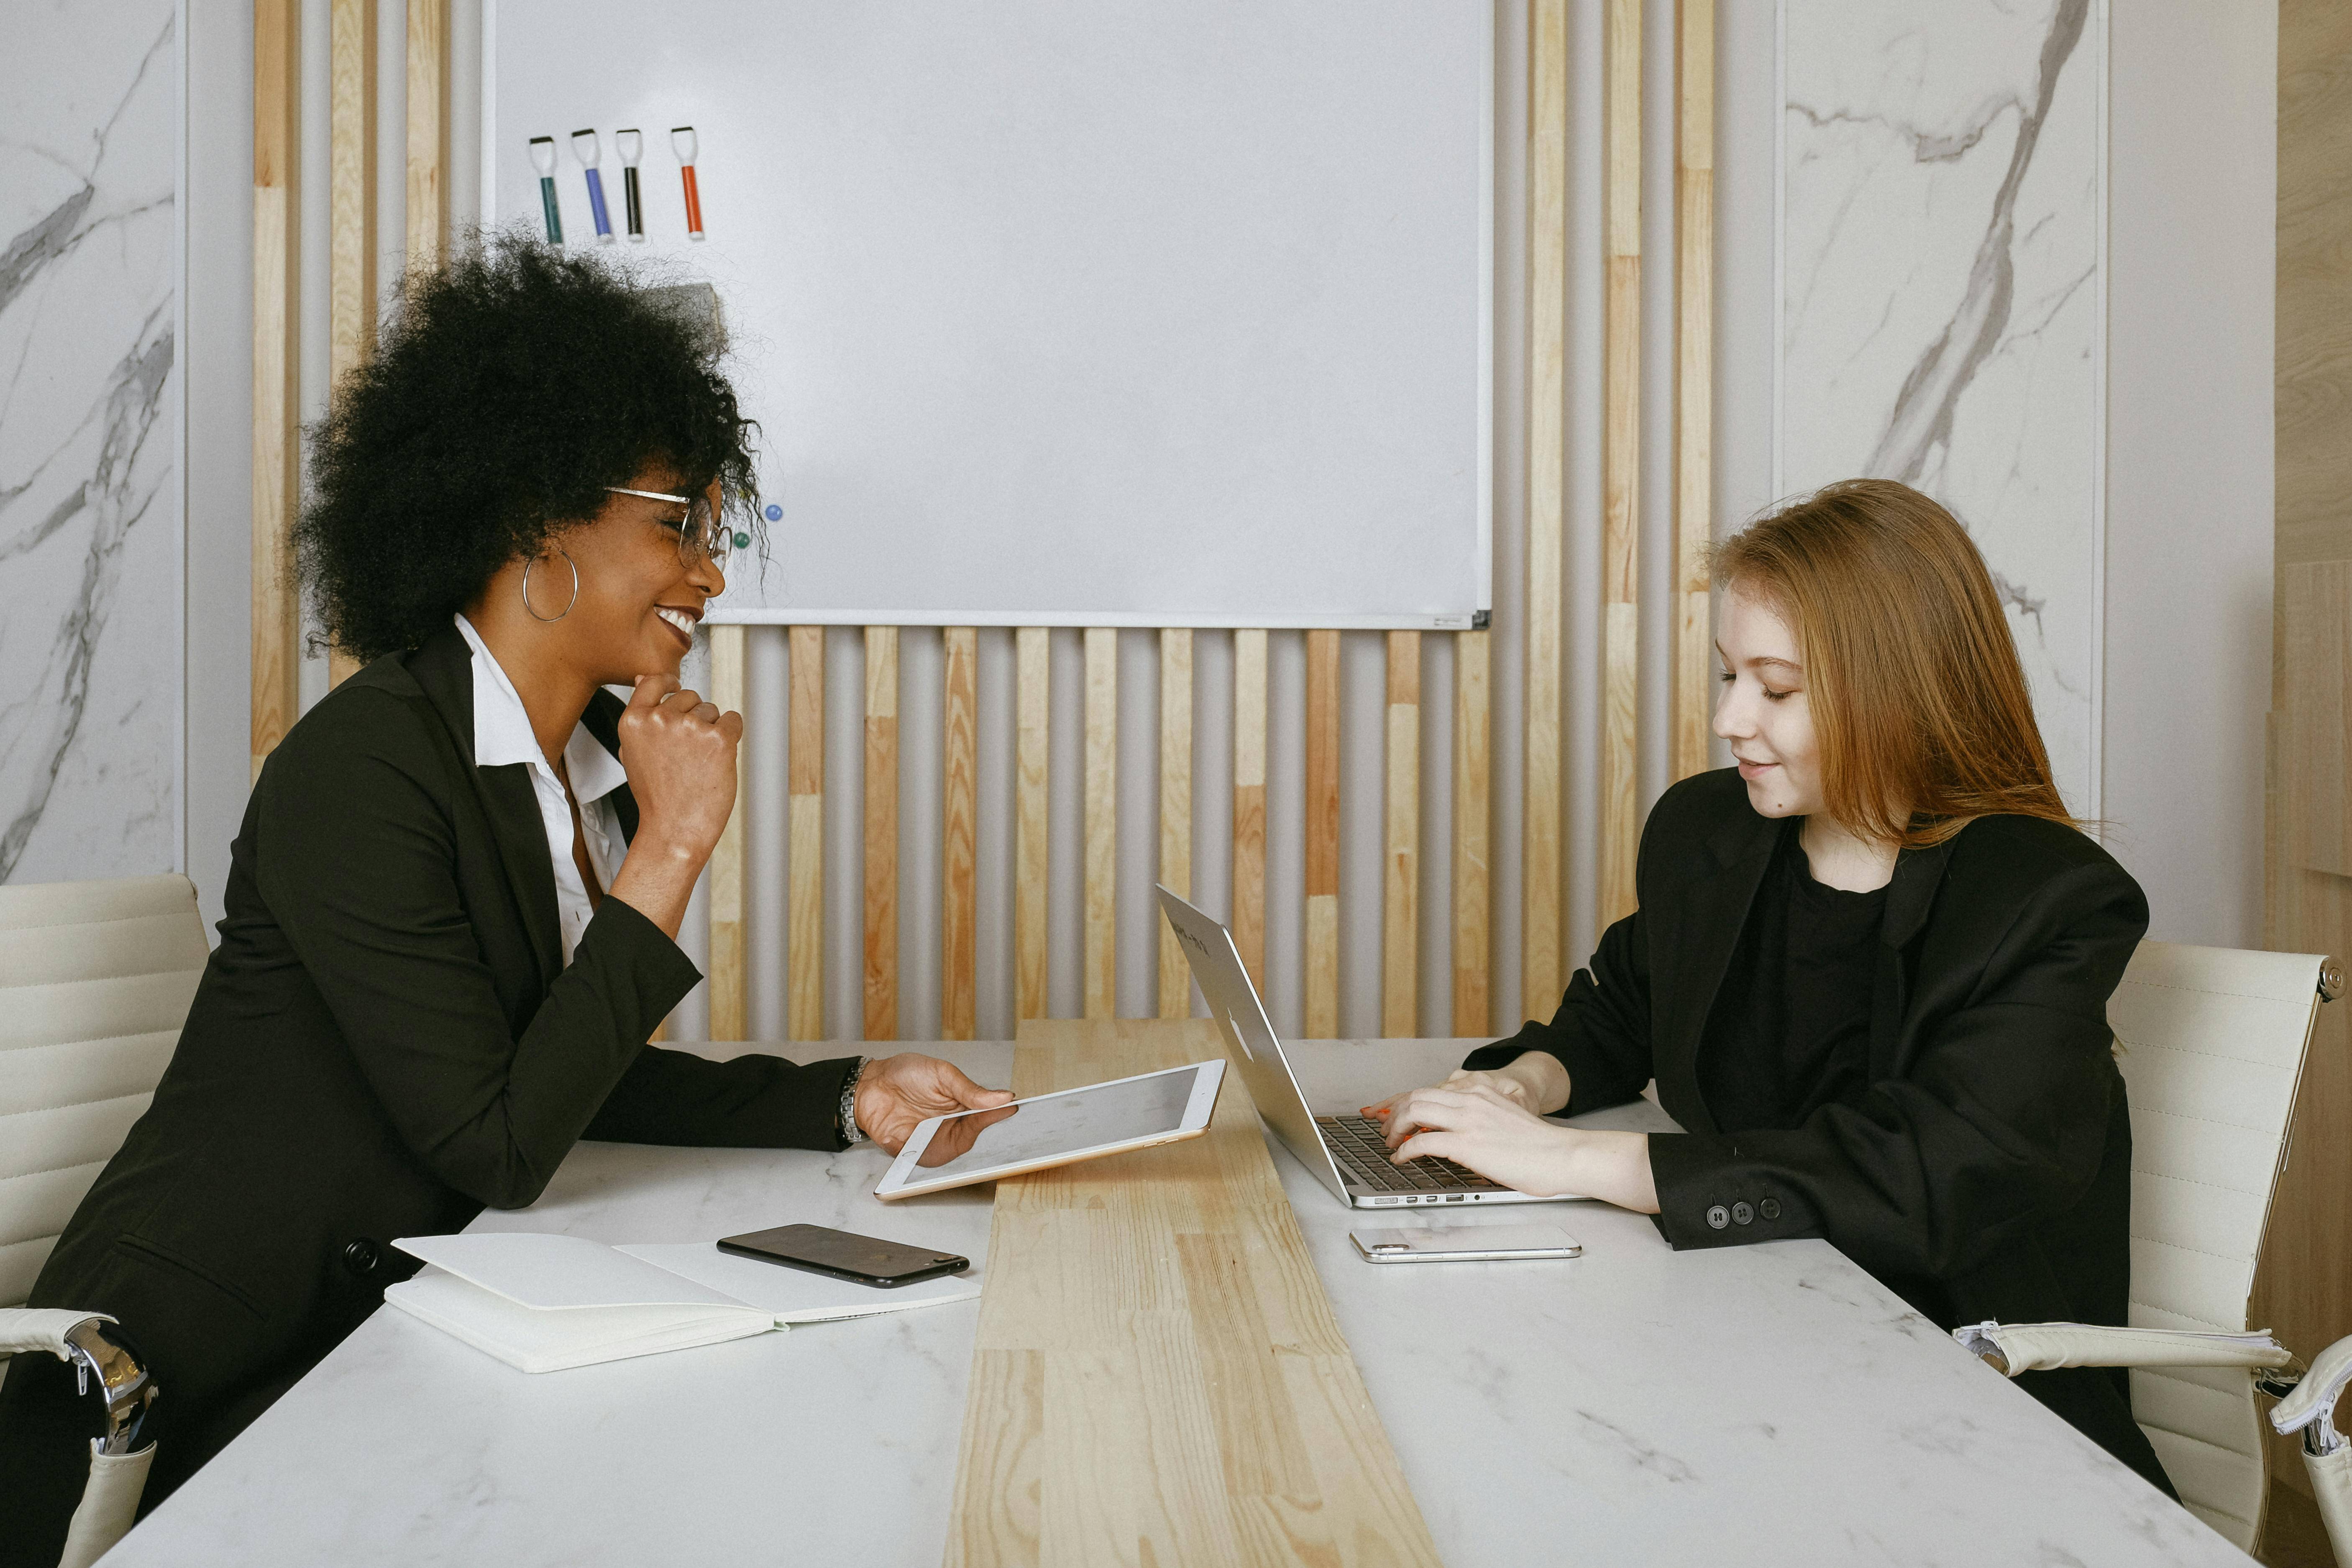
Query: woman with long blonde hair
(1870, 965)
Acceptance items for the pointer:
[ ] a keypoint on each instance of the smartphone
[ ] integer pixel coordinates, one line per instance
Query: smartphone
(1463, 1243)
(864, 1258)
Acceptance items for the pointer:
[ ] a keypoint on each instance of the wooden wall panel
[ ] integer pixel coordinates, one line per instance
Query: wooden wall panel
(1175, 811)
(350, 209)
(429, 132)
(804, 826)
(960, 836)
(1621, 459)
(1692, 702)
(1320, 1019)
(729, 970)
(1033, 650)
(881, 833)
(2304, 1286)
(1249, 803)
(1473, 814)
(1401, 869)
(1542, 936)
(1102, 822)
(277, 366)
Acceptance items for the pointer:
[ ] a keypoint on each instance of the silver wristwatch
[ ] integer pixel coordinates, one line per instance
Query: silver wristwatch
(851, 1133)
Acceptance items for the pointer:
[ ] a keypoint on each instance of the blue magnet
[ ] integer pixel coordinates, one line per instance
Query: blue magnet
(775, 513)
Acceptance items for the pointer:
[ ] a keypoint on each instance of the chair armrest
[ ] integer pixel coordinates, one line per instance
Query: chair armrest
(2013, 1348)
(42, 1329)
(2311, 1408)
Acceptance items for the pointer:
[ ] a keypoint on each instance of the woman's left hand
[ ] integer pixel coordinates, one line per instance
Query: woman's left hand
(896, 1094)
(1479, 1126)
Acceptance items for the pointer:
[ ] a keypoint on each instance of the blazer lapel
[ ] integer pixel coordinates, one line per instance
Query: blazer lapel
(444, 669)
(1910, 897)
(603, 721)
(1707, 922)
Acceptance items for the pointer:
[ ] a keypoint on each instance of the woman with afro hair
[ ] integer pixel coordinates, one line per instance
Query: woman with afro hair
(453, 903)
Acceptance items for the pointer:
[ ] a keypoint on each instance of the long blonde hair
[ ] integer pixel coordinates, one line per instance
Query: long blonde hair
(1925, 720)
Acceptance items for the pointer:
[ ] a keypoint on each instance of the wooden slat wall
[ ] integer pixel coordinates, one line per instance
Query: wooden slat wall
(1621, 459)
(1032, 651)
(1400, 868)
(277, 365)
(881, 833)
(428, 131)
(804, 828)
(1102, 822)
(960, 836)
(352, 293)
(350, 207)
(729, 1008)
(1321, 1014)
(1542, 934)
(1248, 921)
(1175, 810)
(1692, 702)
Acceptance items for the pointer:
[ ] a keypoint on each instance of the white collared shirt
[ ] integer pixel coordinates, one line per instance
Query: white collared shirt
(502, 735)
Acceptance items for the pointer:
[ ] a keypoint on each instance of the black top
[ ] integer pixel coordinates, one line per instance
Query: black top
(386, 1040)
(1790, 1029)
(1982, 1169)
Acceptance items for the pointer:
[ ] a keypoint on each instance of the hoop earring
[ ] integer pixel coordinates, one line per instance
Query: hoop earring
(534, 614)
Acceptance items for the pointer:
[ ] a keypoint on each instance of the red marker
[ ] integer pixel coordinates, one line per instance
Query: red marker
(682, 143)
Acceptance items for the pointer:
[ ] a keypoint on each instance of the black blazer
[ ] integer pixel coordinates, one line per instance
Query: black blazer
(1986, 1173)
(386, 1041)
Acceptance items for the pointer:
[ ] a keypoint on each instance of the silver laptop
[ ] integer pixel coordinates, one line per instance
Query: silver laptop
(1350, 1154)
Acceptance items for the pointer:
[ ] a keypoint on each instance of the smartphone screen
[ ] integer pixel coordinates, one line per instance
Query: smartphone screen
(846, 1255)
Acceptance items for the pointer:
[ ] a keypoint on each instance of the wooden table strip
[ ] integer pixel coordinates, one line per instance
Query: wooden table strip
(1621, 460)
(881, 833)
(804, 849)
(1401, 876)
(1175, 811)
(1249, 803)
(1542, 937)
(730, 1002)
(1320, 1019)
(1157, 1374)
(276, 364)
(960, 836)
(1694, 674)
(1033, 650)
(1473, 818)
(1102, 822)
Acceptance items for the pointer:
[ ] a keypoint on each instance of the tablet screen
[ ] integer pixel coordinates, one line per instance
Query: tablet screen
(1060, 1124)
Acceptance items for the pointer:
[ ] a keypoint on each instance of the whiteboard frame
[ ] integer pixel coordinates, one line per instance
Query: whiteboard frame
(1485, 504)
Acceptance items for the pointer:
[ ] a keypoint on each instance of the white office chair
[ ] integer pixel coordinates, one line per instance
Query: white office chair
(2213, 1044)
(95, 982)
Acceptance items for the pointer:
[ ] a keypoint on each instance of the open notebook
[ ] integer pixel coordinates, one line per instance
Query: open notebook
(542, 1304)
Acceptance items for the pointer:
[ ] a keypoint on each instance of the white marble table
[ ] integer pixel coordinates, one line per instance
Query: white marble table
(1758, 1404)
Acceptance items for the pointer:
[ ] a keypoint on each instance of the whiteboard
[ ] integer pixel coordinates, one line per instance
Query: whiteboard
(1064, 312)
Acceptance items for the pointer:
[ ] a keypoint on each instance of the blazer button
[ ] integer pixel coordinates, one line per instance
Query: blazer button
(1742, 1212)
(1717, 1217)
(359, 1258)
(1771, 1208)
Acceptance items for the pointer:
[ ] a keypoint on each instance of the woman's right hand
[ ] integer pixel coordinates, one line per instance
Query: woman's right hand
(679, 754)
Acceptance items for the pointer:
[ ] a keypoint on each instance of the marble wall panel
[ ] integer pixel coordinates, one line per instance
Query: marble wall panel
(1940, 302)
(90, 531)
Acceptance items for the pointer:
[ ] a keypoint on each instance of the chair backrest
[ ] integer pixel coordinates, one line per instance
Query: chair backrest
(95, 982)
(2213, 1041)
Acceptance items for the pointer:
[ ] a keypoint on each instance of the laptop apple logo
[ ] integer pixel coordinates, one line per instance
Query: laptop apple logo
(1233, 1028)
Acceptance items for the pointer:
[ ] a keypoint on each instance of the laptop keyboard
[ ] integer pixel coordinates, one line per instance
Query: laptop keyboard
(1362, 1151)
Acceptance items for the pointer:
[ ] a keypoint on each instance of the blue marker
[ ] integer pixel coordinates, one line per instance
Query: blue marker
(542, 158)
(584, 147)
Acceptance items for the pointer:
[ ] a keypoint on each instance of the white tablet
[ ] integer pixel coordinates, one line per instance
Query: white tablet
(1055, 1130)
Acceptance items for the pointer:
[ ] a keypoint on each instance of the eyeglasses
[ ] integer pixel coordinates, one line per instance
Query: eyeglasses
(702, 535)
